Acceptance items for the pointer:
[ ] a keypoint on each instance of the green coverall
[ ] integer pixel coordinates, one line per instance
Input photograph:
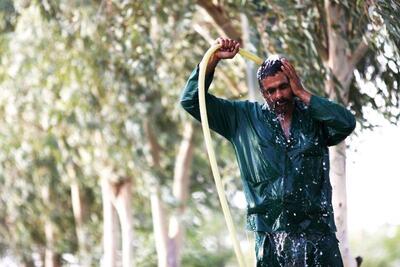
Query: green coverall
(285, 181)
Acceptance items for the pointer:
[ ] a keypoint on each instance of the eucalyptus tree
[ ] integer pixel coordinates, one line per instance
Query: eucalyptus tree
(60, 103)
(99, 82)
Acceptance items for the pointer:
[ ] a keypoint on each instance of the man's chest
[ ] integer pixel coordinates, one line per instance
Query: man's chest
(267, 138)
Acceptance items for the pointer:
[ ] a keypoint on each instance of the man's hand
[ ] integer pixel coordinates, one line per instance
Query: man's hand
(295, 82)
(229, 48)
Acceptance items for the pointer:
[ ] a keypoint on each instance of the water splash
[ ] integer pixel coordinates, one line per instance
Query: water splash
(324, 166)
(297, 250)
(280, 117)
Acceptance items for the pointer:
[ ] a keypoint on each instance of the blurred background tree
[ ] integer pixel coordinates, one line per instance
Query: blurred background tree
(98, 161)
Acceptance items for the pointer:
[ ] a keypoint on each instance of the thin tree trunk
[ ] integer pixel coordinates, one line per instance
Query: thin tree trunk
(339, 67)
(78, 211)
(122, 204)
(181, 193)
(160, 223)
(251, 68)
(160, 226)
(339, 199)
(109, 225)
(51, 258)
(338, 177)
(169, 244)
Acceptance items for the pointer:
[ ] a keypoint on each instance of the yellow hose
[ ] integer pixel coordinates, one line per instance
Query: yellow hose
(250, 56)
(210, 150)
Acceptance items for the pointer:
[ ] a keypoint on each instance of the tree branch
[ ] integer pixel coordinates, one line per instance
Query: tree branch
(359, 52)
(221, 18)
(323, 46)
(154, 146)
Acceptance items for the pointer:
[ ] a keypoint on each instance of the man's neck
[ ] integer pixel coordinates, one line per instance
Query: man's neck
(285, 120)
(287, 115)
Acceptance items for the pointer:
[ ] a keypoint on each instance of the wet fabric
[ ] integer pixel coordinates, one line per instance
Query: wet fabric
(285, 181)
(297, 250)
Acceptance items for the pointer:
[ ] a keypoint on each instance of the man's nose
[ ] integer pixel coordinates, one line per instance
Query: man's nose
(278, 94)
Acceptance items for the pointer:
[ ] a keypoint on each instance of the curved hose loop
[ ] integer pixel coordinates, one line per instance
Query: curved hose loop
(210, 150)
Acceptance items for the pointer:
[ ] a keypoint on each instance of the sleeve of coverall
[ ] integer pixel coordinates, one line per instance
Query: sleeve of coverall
(220, 112)
(337, 121)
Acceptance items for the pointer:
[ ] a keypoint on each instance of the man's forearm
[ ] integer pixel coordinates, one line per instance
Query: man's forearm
(212, 64)
(305, 97)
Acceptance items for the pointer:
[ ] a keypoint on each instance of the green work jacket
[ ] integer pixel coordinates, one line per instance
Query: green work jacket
(285, 181)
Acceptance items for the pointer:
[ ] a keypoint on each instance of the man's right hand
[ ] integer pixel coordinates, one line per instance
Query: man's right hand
(229, 48)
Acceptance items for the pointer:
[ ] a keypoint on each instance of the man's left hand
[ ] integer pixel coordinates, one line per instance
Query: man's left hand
(295, 82)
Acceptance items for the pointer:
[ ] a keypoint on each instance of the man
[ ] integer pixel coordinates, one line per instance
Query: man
(282, 152)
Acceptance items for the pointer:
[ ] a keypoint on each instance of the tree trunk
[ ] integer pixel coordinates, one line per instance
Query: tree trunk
(338, 178)
(157, 208)
(160, 226)
(181, 193)
(51, 258)
(78, 211)
(109, 225)
(169, 244)
(122, 203)
(251, 68)
(340, 66)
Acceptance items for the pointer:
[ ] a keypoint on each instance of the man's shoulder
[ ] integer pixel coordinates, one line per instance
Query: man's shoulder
(247, 103)
(248, 106)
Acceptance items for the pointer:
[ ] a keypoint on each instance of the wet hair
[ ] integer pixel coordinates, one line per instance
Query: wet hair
(271, 66)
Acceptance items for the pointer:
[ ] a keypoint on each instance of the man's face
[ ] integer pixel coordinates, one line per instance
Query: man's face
(277, 92)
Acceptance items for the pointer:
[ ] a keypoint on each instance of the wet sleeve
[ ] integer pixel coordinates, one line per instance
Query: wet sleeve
(337, 121)
(221, 113)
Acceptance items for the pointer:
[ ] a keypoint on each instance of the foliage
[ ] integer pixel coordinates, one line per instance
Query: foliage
(378, 249)
(298, 30)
